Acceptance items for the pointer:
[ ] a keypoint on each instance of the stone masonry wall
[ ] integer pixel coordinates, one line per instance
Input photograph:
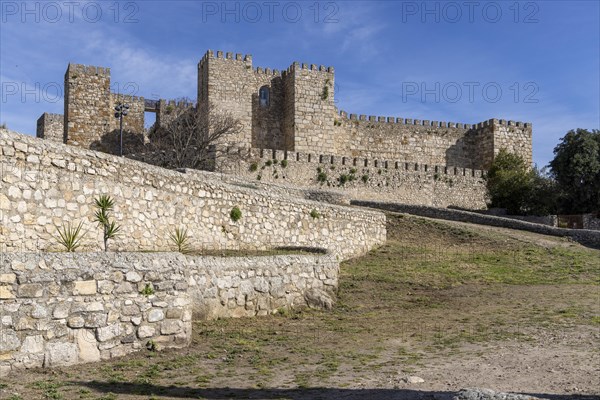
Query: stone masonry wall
(60, 309)
(45, 185)
(365, 178)
(229, 83)
(88, 108)
(300, 109)
(591, 221)
(51, 127)
(313, 105)
(430, 142)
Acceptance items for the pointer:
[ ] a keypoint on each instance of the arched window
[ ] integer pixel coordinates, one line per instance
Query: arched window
(263, 96)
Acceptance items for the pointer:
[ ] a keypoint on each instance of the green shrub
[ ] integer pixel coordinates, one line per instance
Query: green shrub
(325, 93)
(322, 177)
(284, 163)
(315, 214)
(352, 170)
(268, 163)
(253, 167)
(235, 214)
(365, 178)
(343, 179)
(148, 290)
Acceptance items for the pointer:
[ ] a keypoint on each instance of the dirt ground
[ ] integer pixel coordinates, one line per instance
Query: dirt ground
(455, 304)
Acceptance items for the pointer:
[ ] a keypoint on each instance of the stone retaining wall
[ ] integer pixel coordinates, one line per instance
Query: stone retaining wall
(589, 238)
(60, 309)
(46, 185)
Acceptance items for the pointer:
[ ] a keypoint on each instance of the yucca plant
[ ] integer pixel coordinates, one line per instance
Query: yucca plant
(180, 238)
(70, 236)
(105, 205)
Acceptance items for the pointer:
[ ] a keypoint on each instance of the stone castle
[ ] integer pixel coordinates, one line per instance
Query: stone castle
(291, 114)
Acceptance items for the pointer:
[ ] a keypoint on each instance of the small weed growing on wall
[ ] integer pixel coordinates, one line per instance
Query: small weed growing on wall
(253, 167)
(275, 161)
(169, 109)
(284, 163)
(181, 239)
(268, 163)
(322, 177)
(379, 172)
(105, 204)
(235, 214)
(319, 170)
(70, 236)
(436, 177)
(332, 168)
(151, 345)
(365, 178)
(258, 177)
(315, 214)
(343, 179)
(352, 171)
(337, 122)
(325, 93)
(148, 290)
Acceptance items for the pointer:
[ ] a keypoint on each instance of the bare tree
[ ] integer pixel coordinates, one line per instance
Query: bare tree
(191, 135)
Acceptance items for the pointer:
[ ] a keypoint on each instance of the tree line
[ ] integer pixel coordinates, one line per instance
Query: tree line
(570, 184)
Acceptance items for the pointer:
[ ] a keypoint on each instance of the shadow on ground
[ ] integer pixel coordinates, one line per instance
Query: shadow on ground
(294, 394)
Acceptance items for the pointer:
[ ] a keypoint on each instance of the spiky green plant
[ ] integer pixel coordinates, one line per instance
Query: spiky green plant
(105, 204)
(180, 238)
(70, 236)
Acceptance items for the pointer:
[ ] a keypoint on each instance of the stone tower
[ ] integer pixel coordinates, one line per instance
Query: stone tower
(89, 111)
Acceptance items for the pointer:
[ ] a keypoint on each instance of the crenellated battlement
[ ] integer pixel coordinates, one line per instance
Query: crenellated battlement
(127, 97)
(429, 123)
(308, 67)
(88, 70)
(179, 103)
(267, 71)
(220, 55)
(333, 160)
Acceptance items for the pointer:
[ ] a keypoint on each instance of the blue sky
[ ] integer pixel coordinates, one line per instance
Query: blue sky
(530, 61)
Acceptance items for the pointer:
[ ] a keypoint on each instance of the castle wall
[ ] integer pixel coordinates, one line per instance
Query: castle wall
(90, 111)
(88, 106)
(513, 136)
(51, 127)
(45, 185)
(228, 83)
(134, 132)
(429, 142)
(366, 178)
(66, 308)
(313, 105)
